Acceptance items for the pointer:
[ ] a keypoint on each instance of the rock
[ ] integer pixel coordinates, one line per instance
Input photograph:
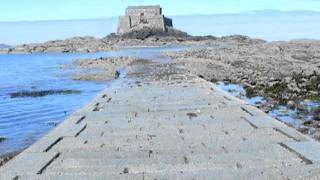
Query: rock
(316, 113)
(291, 105)
(307, 123)
(293, 87)
(2, 139)
(316, 135)
(103, 68)
(231, 90)
(117, 74)
(143, 33)
(301, 107)
(41, 93)
(315, 110)
(303, 130)
(126, 170)
(251, 92)
(313, 80)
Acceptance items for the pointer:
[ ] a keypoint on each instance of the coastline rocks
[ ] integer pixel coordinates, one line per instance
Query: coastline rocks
(284, 73)
(76, 44)
(138, 37)
(270, 69)
(103, 68)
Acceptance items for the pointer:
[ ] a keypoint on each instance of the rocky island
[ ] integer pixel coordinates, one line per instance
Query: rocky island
(283, 72)
(169, 118)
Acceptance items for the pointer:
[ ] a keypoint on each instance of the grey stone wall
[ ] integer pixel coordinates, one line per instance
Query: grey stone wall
(148, 11)
(156, 22)
(124, 24)
(140, 16)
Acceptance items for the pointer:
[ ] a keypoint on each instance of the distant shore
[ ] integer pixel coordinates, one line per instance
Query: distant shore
(141, 38)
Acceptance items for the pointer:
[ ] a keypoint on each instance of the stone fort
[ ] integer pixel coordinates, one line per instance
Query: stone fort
(143, 16)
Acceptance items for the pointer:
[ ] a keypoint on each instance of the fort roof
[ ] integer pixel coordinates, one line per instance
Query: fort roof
(144, 7)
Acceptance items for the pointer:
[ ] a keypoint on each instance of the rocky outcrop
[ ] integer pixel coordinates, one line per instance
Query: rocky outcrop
(76, 44)
(285, 73)
(146, 32)
(292, 68)
(103, 68)
(144, 36)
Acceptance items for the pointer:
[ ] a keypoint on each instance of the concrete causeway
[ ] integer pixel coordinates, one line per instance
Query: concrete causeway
(164, 123)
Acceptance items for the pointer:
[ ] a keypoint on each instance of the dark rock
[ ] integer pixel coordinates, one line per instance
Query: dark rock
(147, 32)
(251, 92)
(2, 139)
(316, 117)
(313, 80)
(117, 74)
(126, 170)
(303, 130)
(41, 93)
(192, 115)
(301, 107)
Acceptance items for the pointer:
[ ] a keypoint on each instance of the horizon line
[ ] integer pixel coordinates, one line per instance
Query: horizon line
(197, 14)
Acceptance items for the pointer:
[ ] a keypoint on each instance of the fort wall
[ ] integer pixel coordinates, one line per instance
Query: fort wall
(143, 16)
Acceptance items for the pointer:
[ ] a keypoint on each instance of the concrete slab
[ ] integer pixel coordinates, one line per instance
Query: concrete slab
(308, 150)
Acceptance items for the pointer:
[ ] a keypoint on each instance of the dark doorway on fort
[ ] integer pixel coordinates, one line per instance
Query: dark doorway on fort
(142, 19)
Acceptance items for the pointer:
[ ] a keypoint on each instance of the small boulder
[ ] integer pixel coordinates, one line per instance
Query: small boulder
(316, 113)
(301, 107)
(291, 105)
(313, 80)
(2, 139)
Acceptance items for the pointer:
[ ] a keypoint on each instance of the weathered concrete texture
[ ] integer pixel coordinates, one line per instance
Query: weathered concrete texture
(167, 124)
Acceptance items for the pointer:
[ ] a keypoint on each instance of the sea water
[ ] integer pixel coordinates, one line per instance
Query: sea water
(25, 120)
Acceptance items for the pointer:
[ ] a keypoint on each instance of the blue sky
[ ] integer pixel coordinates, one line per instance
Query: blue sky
(30, 10)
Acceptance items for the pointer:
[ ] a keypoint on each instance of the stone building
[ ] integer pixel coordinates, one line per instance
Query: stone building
(141, 16)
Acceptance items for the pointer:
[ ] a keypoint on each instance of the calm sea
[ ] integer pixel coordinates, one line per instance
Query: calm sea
(24, 120)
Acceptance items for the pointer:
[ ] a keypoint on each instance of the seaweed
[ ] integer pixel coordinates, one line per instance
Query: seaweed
(251, 92)
(278, 92)
(42, 93)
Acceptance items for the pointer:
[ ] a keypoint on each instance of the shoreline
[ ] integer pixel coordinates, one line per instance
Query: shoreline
(5, 158)
(181, 105)
(284, 73)
(203, 62)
